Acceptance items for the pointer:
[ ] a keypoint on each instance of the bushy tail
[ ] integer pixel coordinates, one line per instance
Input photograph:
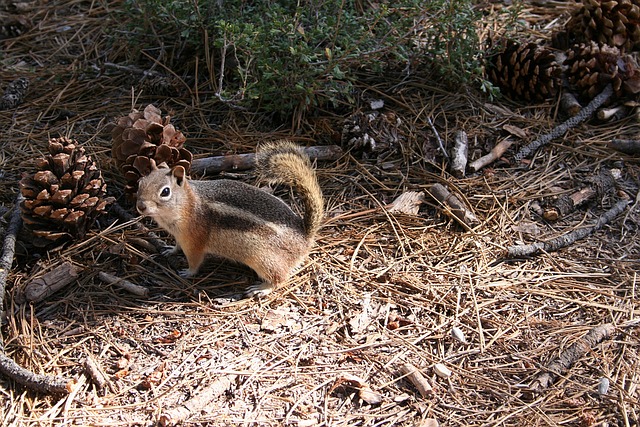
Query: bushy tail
(283, 162)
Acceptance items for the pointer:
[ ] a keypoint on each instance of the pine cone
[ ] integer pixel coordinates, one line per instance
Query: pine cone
(65, 196)
(591, 67)
(607, 22)
(372, 132)
(14, 93)
(143, 139)
(524, 71)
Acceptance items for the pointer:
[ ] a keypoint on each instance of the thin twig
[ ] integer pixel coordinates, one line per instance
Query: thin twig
(572, 122)
(128, 286)
(435, 131)
(493, 155)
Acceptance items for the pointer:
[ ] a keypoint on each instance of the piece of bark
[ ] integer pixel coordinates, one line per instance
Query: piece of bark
(497, 152)
(198, 403)
(138, 290)
(452, 205)
(627, 146)
(408, 203)
(602, 185)
(418, 380)
(14, 93)
(459, 154)
(571, 355)
(560, 130)
(52, 281)
(569, 104)
(569, 238)
(238, 162)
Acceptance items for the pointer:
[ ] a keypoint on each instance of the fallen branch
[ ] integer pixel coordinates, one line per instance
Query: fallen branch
(138, 290)
(459, 154)
(40, 383)
(492, 156)
(238, 162)
(198, 403)
(627, 146)
(8, 367)
(452, 205)
(560, 130)
(571, 355)
(569, 238)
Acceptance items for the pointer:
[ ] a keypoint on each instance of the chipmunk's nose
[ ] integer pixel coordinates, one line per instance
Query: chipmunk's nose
(141, 206)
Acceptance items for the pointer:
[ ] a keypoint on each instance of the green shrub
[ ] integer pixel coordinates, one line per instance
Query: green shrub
(288, 56)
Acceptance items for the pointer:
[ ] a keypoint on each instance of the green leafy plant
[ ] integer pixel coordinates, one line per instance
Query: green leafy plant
(289, 56)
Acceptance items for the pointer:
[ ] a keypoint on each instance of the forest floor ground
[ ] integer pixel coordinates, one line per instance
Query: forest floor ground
(379, 291)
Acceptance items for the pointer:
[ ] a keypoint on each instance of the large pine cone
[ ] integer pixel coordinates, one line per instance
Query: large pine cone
(65, 196)
(611, 22)
(525, 72)
(143, 139)
(591, 67)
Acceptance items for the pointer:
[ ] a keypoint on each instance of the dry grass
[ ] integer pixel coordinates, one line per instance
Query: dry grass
(378, 291)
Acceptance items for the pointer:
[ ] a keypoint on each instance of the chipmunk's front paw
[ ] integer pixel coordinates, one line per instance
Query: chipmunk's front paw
(186, 273)
(259, 290)
(170, 250)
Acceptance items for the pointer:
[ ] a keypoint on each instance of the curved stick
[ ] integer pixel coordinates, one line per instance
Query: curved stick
(8, 367)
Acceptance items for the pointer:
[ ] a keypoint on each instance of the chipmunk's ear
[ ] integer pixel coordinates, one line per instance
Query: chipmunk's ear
(178, 172)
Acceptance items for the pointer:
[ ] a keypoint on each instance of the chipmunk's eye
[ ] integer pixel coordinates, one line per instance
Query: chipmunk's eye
(165, 192)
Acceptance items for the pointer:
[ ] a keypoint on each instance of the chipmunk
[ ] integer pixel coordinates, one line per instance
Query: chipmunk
(238, 221)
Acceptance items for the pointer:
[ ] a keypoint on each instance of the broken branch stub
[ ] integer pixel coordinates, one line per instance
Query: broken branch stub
(452, 205)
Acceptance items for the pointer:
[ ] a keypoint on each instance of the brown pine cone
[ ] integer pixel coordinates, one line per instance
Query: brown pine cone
(591, 67)
(525, 72)
(607, 22)
(142, 139)
(65, 196)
